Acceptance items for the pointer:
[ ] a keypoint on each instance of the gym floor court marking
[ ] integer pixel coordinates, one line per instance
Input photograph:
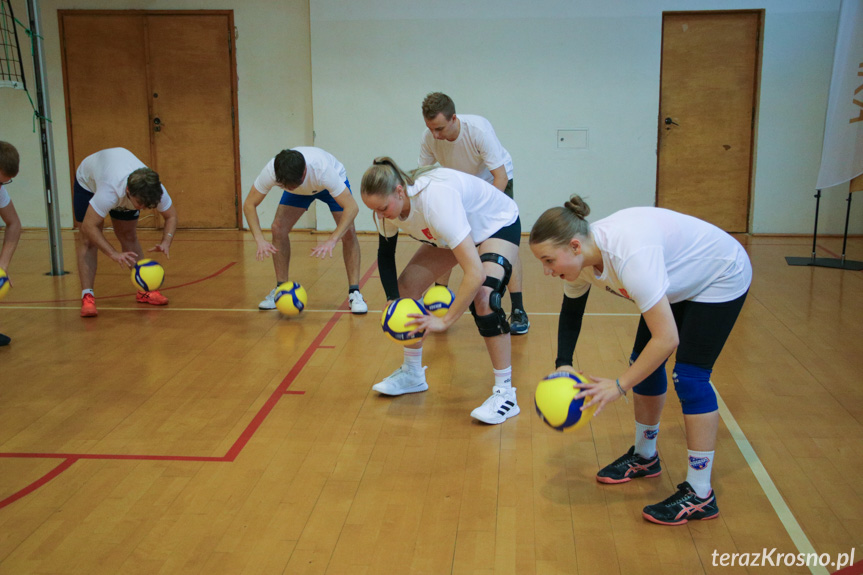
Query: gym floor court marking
(199, 280)
(783, 512)
(251, 428)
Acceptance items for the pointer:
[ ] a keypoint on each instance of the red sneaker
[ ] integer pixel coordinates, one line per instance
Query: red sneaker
(151, 297)
(88, 306)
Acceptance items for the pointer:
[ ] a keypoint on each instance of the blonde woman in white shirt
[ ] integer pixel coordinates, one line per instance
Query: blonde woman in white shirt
(461, 220)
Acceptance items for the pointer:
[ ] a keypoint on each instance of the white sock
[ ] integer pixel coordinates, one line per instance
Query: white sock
(503, 377)
(645, 439)
(698, 474)
(87, 291)
(413, 359)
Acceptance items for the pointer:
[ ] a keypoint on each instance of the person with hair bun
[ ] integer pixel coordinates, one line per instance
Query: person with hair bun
(689, 280)
(460, 220)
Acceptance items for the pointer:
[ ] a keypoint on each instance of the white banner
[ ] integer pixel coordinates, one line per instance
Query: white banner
(842, 154)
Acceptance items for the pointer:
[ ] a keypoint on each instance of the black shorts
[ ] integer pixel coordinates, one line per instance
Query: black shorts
(702, 330)
(81, 201)
(510, 233)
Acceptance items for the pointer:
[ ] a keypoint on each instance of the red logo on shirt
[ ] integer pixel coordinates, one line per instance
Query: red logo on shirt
(626, 295)
(428, 234)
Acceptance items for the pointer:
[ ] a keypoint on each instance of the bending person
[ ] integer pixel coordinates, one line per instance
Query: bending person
(689, 280)
(461, 220)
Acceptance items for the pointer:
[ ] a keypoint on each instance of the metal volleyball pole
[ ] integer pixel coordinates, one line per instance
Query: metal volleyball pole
(46, 140)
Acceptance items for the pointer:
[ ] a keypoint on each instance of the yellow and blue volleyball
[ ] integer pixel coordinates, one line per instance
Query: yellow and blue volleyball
(395, 317)
(438, 300)
(291, 298)
(5, 286)
(148, 275)
(556, 404)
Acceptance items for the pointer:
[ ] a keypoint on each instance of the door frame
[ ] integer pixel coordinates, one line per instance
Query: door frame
(232, 48)
(756, 99)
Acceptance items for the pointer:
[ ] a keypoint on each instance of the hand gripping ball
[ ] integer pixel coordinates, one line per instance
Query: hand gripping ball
(395, 316)
(556, 404)
(291, 298)
(438, 299)
(148, 275)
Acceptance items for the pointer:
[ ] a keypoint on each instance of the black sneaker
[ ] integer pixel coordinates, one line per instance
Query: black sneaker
(4, 340)
(681, 507)
(629, 466)
(518, 322)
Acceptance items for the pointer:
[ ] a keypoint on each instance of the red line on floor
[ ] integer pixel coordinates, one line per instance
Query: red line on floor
(38, 483)
(211, 276)
(235, 449)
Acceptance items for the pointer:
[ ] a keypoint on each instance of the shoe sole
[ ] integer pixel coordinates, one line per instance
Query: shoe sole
(94, 314)
(653, 519)
(611, 481)
(151, 303)
(266, 308)
(510, 413)
(359, 312)
(416, 389)
(519, 332)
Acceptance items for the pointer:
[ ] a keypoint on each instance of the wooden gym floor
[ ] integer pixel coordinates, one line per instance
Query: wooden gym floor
(210, 437)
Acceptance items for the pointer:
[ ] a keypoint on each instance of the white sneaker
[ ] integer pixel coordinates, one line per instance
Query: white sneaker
(403, 381)
(269, 302)
(499, 407)
(357, 303)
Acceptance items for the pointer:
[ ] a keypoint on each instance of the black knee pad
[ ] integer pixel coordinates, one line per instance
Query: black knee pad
(495, 323)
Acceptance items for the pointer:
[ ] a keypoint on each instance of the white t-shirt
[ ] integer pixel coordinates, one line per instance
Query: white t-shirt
(105, 174)
(447, 206)
(651, 252)
(475, 151)
(4, 197)
(323, 172)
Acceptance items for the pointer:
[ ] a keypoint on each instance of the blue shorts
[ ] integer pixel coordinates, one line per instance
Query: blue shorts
(301, 201)
(81, 201)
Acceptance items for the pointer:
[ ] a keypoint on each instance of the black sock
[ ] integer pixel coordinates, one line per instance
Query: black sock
(353, 288)
(516, 300)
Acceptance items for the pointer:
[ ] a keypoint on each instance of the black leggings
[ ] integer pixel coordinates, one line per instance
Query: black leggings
(703, 329)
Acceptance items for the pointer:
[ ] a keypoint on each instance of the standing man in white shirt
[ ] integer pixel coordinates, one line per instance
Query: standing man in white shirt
(469, 144)
(306, 174)
(114, 182)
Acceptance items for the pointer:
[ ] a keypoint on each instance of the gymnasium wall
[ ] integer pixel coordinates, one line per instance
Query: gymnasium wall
(534, 68)
(274, 92)
(356, 72)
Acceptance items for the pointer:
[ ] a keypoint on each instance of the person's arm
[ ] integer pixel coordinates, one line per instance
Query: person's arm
(467, 257)
(164, 246)
(663, 341)
(569, 328)
(12, 235)
(500, 179)
(90, 228)
(387, 266)
(250, 209)
(349, 214)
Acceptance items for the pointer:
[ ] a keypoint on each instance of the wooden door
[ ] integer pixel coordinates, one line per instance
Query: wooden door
(174, 76)
(707, 115)
(106, 85)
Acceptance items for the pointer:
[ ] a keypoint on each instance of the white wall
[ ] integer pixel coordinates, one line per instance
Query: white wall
(531, 68)
(274, 93)
(534, 68)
